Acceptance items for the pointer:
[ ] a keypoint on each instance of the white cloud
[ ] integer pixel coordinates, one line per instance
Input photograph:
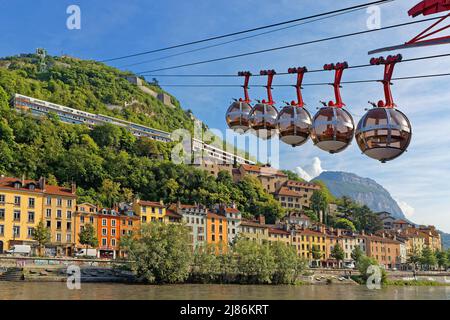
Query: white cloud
(310, 171)
(408, 210)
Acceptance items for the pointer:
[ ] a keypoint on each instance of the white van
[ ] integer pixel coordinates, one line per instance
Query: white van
(20, 249)
(91, 253)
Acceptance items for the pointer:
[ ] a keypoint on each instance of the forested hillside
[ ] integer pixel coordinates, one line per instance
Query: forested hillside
(108, 164)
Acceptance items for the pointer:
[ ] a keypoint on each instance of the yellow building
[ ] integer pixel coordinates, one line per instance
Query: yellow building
(307, 240)
(86, 213)
(254, 230)
(59, 206)
(24, 203)
(149, 210)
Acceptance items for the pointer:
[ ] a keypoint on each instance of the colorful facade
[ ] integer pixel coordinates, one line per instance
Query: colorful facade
(217, 231)
(108, 233)
(149, 210)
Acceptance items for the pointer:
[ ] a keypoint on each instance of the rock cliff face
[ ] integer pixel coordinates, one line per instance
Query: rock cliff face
(362, 190)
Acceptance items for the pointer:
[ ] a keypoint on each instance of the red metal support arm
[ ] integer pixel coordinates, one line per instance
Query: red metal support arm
(339, 70)
(270, 74)
(298, 86)
(246, 75)
(389, 64)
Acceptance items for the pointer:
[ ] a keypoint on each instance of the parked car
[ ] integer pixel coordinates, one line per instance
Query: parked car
(20, 249)
(349, 265)
(91, 253)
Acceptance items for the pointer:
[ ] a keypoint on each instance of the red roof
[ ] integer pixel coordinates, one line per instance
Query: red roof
(150, 203)
(173, 214)
(278, 231)
(306, 185)
(232, 210)
(8, 183)
(214, 215)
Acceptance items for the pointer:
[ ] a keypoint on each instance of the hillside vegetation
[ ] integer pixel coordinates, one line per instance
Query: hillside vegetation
(108, 164)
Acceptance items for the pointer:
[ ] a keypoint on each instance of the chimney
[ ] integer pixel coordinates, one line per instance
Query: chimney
(23, 180)
(363, 232)
(261, 219)
(338, 232)
(161, 202)
(73, 188)
(178, 205)
(42, 183)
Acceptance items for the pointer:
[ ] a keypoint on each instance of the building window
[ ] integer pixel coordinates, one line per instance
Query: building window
(2, 198)
(59, 202)
(91, 220)
(49, 213)
(2, 214)
(113, 232)
(113, 242)
(113, 222)
(104, 242)
(213, 237)
(31, 216)
(68, 237)
(58, 237)
(30, 232)
(31, 202)
(16, 231)
(49, 224)
(69, 203)
(49, 201)
(69, 214)
(16, 215)
(2, 229)
(58, 225)
(17, 201)
(104, 232)
(144, 219)
(69, 226)
(81, 219)
(103, 222)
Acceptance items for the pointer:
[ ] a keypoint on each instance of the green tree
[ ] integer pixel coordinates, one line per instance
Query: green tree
(319, 203)
(414, 257)
(363, 265)
(110, 192)
(88, 237)
(206, 266)
(41, 234)
(107, 135)
(428, 259)
(316, 253)
(346, 224)
(442, 259)
(288, 264)
(161, 253)
(338, 253)
(357, 253)
(255, 262)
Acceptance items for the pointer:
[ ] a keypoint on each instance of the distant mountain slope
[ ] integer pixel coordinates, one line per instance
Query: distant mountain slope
(445, 240)
(363, 190)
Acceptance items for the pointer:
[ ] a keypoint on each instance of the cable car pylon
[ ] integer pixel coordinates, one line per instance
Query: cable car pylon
(425, 7)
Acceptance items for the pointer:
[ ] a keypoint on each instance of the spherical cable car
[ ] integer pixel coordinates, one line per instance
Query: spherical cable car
(238, 113)
(333, 126)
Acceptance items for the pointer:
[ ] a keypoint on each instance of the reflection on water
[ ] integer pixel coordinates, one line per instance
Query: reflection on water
(56, 290)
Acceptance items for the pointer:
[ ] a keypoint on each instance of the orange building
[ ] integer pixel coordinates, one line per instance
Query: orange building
(386, 251)
(108, 233)
(217, 231)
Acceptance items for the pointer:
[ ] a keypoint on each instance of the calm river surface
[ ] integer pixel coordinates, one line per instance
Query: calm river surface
(57, 290)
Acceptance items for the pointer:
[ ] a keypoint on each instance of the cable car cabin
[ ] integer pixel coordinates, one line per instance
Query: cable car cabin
(332, 129)
(294, 125)
(263, 119)
(383, 133)
(238, 115)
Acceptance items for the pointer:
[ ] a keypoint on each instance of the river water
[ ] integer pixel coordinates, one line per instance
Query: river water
(57, 290)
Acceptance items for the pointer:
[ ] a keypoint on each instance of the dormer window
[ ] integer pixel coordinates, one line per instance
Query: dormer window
(17, 185)
(31, 186)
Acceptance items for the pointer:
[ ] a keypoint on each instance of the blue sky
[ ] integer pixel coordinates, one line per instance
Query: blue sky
(418, 179)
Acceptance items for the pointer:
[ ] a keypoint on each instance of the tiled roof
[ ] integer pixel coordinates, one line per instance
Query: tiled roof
(292, 183)
(8, 183)
(150, 203)
(173, 214)
(254, 168)
(214, 215)
(284, 191)
(232, 210)
(250, 223)
(278, 231)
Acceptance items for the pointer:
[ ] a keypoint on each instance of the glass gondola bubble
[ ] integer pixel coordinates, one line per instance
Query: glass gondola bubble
(333, 126)
(238, 113)
(384, 133)
(263, 118)
(294, 121)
